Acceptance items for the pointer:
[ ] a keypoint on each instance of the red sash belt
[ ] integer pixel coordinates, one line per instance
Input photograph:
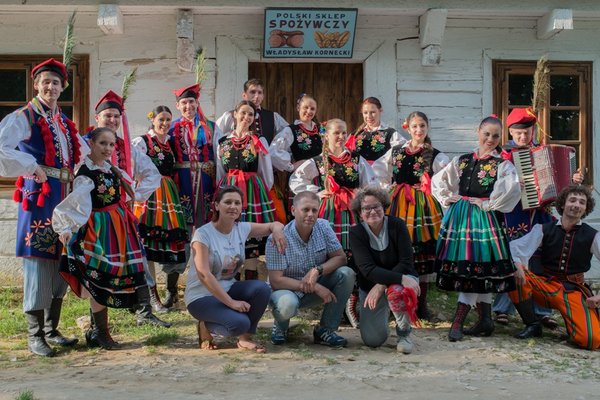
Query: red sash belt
(407, 192)
(343, 195)
(241, 180)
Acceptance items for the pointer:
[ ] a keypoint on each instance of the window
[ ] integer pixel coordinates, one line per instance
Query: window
(17, 90)
(566, 116)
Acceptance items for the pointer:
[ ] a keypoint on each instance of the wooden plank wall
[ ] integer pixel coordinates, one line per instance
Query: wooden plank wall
(338, 88)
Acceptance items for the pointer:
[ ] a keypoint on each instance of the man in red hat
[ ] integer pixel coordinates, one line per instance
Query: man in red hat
(110, 113)
(40, 145)
(521, 124)
(192, 139)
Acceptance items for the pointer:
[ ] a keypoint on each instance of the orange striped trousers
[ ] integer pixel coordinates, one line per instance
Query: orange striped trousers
(583, 324)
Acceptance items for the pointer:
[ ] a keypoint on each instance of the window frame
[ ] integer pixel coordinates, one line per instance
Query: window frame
(503, 68)
(80, 71)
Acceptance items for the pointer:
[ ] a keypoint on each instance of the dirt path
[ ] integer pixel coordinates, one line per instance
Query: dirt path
(487, 368)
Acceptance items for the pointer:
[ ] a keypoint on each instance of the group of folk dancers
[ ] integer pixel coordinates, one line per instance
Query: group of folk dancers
(118, 206)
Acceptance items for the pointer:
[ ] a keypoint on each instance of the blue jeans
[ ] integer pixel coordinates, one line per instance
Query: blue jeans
(503, 305)
(374, 324)
(286, 303)
(224, 321)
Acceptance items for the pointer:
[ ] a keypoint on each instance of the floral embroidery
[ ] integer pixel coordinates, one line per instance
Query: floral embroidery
(43, 238)
(106, 189)
(304, 140)
(487, 173)
(417, 166)
(376, 141)
(248, 153)
(397, 162)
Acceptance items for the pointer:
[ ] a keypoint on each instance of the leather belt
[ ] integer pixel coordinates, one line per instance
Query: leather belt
(574, 278)
(62, 174)
(184, 164)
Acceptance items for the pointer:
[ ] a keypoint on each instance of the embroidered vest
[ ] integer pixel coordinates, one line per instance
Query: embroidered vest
(305, 146)
(408, 168)
(477, 176)
(107, 187)
(373, 145)
(567, 252)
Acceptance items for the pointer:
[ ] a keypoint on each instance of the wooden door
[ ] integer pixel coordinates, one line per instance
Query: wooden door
(338, 88)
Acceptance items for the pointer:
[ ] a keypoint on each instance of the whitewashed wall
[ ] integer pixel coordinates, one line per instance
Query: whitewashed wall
(455, 95)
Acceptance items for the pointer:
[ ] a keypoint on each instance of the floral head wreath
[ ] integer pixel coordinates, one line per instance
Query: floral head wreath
(150, 115)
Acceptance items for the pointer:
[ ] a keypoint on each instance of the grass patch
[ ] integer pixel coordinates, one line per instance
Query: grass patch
(162, 338)
(331, 361)
(25, 395)
(229, 368)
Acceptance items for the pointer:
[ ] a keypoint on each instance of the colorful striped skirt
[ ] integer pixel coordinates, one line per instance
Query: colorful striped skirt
(472, 252)
(336, 210)
(162, 226)
(423, 216)
(257, 203)
(106, 257)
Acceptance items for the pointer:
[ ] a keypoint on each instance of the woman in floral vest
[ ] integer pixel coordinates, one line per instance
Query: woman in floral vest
(473, 256)
(407, 170)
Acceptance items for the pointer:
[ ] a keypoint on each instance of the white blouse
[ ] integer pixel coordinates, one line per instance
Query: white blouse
(75, 210)
(302, 178)
(505, 194)
(383, 167)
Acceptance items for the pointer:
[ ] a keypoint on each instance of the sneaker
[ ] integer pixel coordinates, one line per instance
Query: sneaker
(278, 335)
(328, 337)
(405, 345)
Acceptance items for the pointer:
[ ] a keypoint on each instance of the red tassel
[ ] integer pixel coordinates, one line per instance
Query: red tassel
(18, 195)
(44, 192)
(25, 204)
(41, 200)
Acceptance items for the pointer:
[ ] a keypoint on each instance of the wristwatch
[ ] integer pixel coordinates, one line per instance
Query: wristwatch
(319, 269)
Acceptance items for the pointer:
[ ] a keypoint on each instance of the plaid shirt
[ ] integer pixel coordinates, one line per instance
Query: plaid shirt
(301, 256)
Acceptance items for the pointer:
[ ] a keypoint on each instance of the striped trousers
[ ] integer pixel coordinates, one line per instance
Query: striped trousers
(42, 282)
(582, 322)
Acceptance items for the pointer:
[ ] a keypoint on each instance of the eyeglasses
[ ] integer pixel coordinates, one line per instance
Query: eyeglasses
(368, 209)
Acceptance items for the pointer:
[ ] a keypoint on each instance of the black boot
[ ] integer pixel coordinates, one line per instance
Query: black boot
(484, 325)
(533, 327)
(35, 338)
(422, 310)
(155, 302)
(99, 335)
(456, 330)
(144, 309)
(172, 294)
(51, 318)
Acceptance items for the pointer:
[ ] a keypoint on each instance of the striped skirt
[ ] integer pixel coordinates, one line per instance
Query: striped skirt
(340, 218)
(257, 203)
(472, 253)
(162, 226)
(423, 217)
(106, 257)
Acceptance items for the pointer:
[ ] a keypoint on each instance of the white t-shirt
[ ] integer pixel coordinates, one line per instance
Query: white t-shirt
(226, 254)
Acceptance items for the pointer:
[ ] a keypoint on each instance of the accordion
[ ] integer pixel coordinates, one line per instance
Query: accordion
(544, 171)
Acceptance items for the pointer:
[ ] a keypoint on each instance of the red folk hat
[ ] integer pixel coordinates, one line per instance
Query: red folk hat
(53, 66)
(109, 100)
(520, 118)
(189, 91)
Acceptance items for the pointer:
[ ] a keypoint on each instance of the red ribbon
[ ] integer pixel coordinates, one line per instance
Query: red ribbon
(407, 192)
(126, 145)
(351, 143)
(241, 180)
(343, 195)
(426, 183)
(258, 145)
